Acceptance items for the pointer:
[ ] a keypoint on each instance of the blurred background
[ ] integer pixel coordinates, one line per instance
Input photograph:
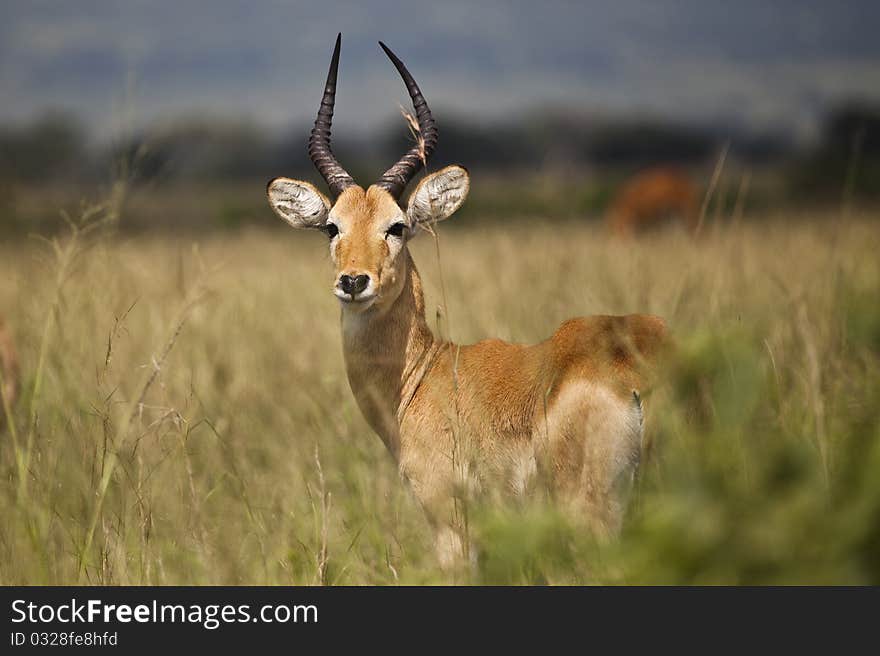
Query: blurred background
(180, 97)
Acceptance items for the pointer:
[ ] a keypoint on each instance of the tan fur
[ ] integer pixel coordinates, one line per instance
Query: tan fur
(9, 370)
(651, 198)
(488, 418)
(360, 251)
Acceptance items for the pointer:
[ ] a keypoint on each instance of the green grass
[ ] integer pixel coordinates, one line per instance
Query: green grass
(190, 422)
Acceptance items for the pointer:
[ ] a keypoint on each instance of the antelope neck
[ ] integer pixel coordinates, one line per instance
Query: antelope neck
(386, 356)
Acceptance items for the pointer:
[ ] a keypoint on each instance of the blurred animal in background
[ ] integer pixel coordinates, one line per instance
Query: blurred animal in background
(9, 373)
(655, 197)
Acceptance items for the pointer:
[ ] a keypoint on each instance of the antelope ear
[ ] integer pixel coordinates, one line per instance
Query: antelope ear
(438, 195)
(299, 203)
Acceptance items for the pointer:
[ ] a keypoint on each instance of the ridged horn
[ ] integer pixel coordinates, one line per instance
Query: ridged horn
(322, 157)
(395, 179)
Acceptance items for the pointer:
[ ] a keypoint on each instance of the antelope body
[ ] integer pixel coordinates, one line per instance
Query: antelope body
(483, 418)
(652, 198)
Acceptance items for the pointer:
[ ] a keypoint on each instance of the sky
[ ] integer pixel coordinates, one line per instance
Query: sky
(764, 65)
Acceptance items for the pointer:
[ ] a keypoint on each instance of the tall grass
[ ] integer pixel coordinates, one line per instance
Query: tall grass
(186, 416)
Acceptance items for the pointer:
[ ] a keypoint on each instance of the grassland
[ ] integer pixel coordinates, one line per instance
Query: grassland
(186, 419)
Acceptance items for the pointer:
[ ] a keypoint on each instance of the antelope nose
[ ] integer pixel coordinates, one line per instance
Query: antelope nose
(353, 285)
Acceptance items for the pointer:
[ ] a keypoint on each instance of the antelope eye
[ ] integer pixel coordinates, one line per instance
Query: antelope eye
(396, 230)
(331, 229)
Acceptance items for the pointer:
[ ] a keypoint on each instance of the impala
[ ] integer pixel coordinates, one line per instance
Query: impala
(491, 416)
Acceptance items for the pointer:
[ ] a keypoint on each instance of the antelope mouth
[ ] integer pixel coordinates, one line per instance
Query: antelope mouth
(361, 301)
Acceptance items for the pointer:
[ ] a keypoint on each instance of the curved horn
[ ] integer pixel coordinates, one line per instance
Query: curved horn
(395, 179)
(322, 157)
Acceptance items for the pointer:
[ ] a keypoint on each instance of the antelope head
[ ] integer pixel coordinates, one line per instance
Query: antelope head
(368, 230)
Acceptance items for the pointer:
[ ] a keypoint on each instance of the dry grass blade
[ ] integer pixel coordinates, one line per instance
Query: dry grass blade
(713, 183)
(132, 410)
(416, 133)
